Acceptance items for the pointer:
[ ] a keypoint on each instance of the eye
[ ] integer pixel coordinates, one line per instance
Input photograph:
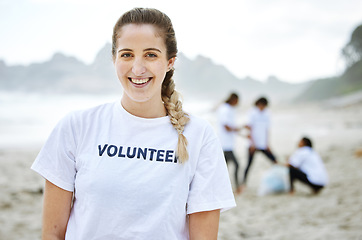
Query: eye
(151, 55)
(126, 55)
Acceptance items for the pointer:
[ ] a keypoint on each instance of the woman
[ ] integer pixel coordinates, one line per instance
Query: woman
(258, 124)
(307, 166)
(140, 168)
(227, 131)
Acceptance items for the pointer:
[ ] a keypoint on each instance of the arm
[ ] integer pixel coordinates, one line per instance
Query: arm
(204, 225)
(296, 159)
(231, 129)
(56, 211)
(286, 163)
(252, 144)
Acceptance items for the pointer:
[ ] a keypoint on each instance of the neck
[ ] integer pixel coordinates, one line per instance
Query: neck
(148, 109)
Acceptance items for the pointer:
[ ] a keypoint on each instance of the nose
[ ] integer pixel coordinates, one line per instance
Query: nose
(138, 67)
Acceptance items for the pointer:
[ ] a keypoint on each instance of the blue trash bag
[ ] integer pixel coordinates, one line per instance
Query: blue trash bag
(275, 180)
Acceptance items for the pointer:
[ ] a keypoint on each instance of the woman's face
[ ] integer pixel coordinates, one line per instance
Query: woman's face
(141, 62)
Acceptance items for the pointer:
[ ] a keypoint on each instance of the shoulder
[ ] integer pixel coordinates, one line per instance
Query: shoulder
(88, 115)
(200, 127)
(92, 111)
(315, 155)
(304, 152)
(253, 111)
(224, 107)
(301, 150)
(198, 122)
(106, 107)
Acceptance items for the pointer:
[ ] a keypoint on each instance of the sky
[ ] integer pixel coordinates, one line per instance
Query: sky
(295, 41)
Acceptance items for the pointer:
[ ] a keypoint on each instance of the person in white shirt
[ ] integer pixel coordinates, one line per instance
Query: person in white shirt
(227, 130)
(139, 168)
(258, 124)
(307, 166)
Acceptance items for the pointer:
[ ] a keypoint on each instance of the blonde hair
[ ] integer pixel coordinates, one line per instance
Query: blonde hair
(170, 96)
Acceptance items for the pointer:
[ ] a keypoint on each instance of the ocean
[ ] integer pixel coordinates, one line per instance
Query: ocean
(27, 119)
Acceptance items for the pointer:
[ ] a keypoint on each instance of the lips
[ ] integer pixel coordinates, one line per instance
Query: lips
(140, 81)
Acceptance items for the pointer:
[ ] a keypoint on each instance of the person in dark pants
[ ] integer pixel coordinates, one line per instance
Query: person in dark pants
(258, 125)
(229, 156)
(306, 166)
(227, 130)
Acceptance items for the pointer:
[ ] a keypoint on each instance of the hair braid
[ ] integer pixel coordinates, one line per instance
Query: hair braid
(178, 117)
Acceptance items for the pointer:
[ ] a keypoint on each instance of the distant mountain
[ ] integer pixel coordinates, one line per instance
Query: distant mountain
(62, 74)
(203, 78)
(349, 82)
(199, 78)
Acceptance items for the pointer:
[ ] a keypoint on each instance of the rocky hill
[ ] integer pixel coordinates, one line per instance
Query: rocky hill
(203, 78)
(61, 74)
(347, 83)
(198, 77)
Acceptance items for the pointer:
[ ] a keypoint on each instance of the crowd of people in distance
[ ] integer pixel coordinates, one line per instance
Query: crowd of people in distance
(304, 164)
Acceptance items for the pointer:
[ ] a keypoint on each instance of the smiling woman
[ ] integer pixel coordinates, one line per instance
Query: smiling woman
(139, 168)
(141, 67)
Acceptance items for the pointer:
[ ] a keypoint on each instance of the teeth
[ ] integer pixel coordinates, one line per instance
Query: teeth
(140, 80)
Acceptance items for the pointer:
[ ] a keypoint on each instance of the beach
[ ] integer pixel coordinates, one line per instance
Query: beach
(335, 213)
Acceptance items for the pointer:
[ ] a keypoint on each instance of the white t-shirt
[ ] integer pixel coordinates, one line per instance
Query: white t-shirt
(226, 116)
(309, 162)
(126, 181)
(259, 122)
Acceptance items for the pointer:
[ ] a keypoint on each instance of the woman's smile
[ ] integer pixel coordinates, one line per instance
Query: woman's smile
(140, 82)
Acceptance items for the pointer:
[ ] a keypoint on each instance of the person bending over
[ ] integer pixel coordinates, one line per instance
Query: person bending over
(306, 166)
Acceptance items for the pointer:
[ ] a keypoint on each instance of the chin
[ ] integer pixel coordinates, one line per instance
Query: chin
(139, 99)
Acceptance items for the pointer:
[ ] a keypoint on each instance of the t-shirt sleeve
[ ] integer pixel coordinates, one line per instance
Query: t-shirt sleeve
(210, 188)
(56, 160)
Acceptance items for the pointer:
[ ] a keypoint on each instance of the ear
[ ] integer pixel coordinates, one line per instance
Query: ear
(170, 64)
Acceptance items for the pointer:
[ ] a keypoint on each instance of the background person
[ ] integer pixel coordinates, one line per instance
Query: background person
(306, 166)
(258, 124)
(227, 130)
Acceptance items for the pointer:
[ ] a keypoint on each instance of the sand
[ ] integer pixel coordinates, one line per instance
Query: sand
(20, 196)
(336, 213)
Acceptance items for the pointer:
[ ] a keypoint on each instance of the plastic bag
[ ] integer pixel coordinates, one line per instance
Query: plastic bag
(275, 180)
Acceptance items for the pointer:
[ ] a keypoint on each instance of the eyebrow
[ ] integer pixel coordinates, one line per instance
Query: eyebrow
(125, 49)
(145, 50)
(152, 49)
